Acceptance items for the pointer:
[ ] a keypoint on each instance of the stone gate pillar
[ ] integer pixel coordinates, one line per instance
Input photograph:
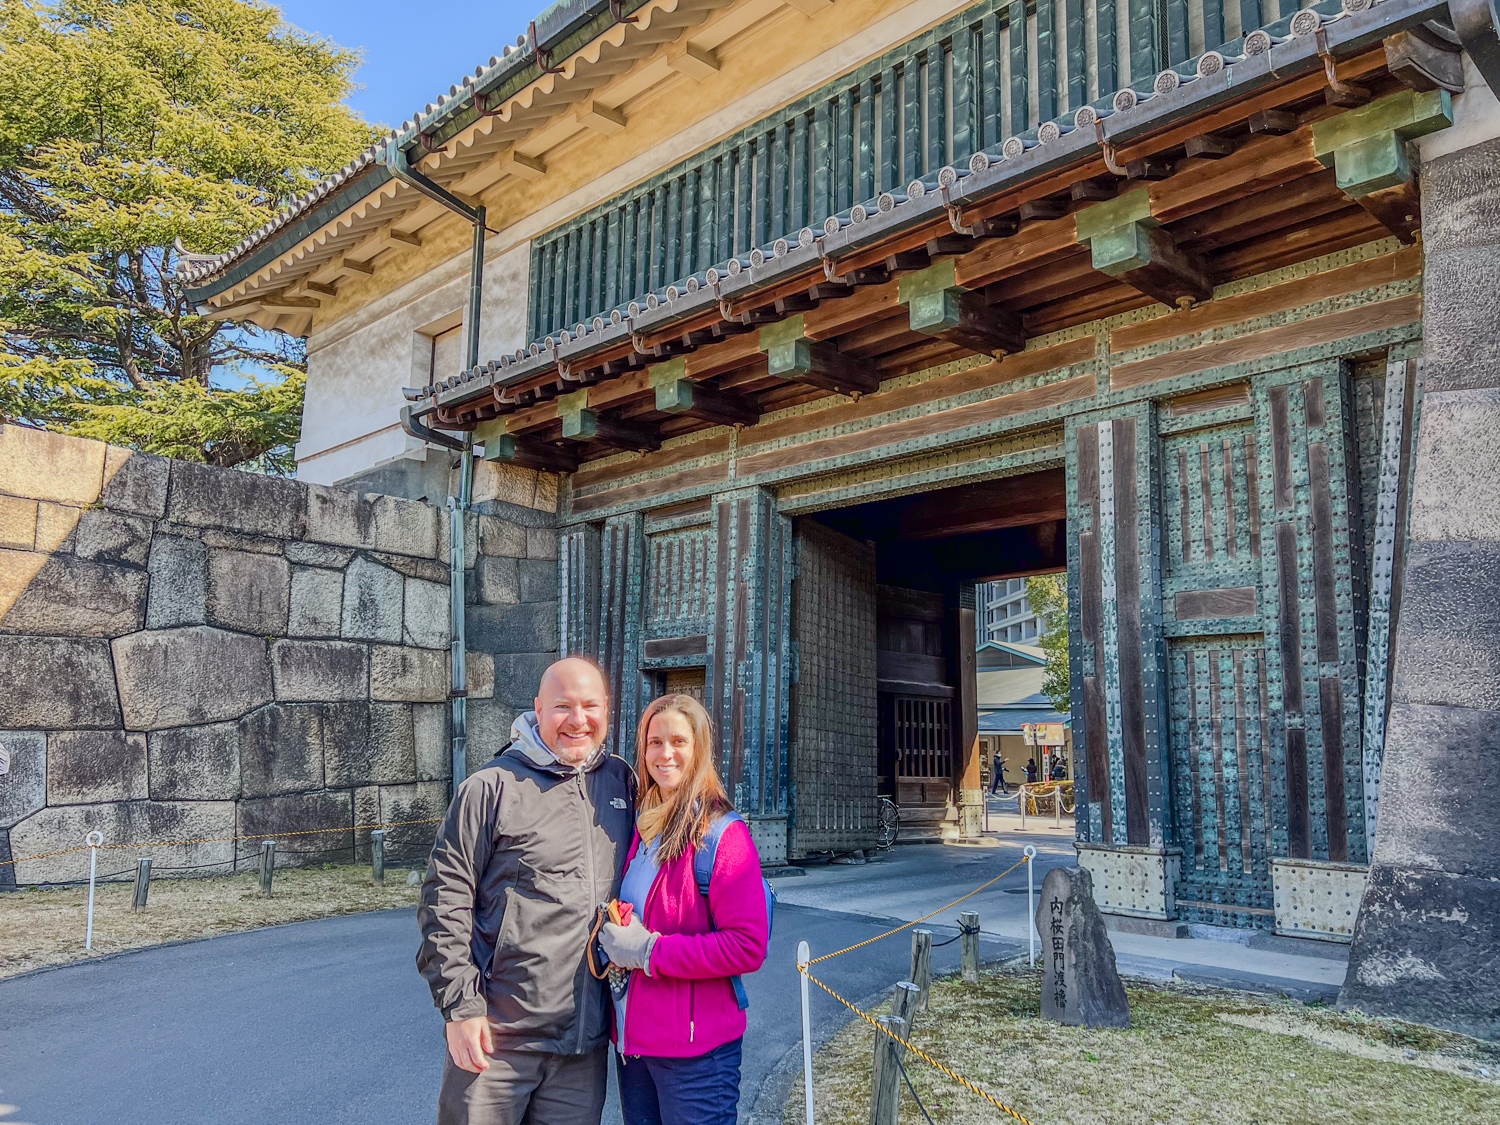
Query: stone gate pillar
(1428, 933)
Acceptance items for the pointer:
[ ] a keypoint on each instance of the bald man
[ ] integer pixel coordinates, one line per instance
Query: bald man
(532, 843)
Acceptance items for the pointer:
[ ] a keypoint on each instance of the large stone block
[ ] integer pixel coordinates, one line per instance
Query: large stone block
(387, 756)
(538, 580)
(479, 675)
(408, 675)
(1425, 948)
(106, 536)
(317, 603)
(1460, 320)
(427, 614)
(326, 821)
(489, 730)
(372, 602)
(135, 483)
(1461, 199)
(317, 554)
(406, 808)
(428, 570)
(179, 582)
(248, 503)
(1440, 790)
(23, 785)
(57, 683)
(91, 766)
(495, 480)
(55, 526)
(497, 580)
(17, 523)
(518, 675)
(248, 591)
(68, 596)
(1454, 493)
(1448, 641)
(430, 740)
(501, 537)
(320, 671)
(340, 517)
(541, 543)
(183, 677)
(344, 725)
(195, 763)
(281, 749)
(47, 466)
(529, 627)
(135, 828)
(404, 527)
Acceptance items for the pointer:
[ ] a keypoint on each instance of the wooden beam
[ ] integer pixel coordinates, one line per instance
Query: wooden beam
(696, 63)
(1127, 241)
(986, 507)
(677, 394)
(938, 306)
(579, 423)
(792, 356)
(600, 118)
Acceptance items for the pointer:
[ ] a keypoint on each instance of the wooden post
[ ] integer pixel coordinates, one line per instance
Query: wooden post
(904, 1001)
(377, 854)
(267, 866)
(142, 882)
(969, 944)
(921, 965)
(885, 1094)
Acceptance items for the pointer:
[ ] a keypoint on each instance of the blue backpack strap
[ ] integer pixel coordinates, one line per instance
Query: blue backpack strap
(703, 871)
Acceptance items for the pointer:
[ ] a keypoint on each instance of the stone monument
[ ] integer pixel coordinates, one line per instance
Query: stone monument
(1080, 984)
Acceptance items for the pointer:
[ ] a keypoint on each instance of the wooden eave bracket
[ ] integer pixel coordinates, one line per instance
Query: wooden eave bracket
(791, 355)
(1126, 241)
(526, 453)
(1366, 148)
(938, 306)
(678, 394)
(580, 423)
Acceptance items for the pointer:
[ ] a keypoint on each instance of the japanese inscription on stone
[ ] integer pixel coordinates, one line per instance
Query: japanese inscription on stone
(1080, 984)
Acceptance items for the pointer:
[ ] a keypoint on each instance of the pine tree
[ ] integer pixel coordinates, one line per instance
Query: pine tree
(128, 130)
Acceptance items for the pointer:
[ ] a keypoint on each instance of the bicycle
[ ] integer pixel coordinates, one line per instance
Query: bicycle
(889, 824)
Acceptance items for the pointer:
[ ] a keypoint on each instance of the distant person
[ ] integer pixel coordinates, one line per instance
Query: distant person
(680, 1020)
(1031, 773)
(531, 844)
(1059, 771)
(997, 775)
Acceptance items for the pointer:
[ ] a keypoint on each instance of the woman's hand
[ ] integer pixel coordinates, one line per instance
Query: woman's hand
(629, 947)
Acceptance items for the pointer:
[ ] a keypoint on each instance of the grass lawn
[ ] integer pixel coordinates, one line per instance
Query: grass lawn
(1191, 1055)
(46, 927)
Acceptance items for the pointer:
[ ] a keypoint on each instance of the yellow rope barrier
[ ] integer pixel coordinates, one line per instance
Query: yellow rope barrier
(915, 921)
(921, 1054)
(222, 839)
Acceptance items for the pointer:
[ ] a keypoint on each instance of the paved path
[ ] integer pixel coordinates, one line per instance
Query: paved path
(327, 1022)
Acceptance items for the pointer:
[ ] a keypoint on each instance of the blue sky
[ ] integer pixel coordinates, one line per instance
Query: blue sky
(413, 52)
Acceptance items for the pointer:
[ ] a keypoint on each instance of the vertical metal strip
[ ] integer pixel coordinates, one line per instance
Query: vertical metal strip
(1109, 617)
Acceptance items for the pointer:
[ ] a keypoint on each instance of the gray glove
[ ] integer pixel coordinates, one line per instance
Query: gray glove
(630, 946)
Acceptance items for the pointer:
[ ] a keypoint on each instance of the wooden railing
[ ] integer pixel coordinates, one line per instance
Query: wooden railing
(964, 86)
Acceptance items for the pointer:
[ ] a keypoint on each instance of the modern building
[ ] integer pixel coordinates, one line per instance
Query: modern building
(1007, 615)
(808, 316)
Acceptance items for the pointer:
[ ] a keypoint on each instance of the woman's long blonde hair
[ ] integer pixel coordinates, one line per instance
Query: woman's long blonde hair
(682, 817)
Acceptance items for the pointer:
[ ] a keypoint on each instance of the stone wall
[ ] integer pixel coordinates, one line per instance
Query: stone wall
(189, 652)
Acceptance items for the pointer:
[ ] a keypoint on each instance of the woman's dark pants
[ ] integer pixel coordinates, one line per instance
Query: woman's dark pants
(704, 1090)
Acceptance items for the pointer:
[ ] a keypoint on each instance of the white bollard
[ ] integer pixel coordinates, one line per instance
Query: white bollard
(1030, 853)
(1021, 804)
(93, 840)
(1057, 806)
(804, 955)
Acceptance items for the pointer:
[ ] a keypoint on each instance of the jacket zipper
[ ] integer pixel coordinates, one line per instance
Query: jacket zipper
(588, 859)
(692, 1007)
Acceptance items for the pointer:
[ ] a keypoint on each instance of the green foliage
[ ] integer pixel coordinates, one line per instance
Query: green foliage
(1047, 594)
(128, 130)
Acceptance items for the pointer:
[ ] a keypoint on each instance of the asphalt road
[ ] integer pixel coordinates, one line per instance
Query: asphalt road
(327, 1022)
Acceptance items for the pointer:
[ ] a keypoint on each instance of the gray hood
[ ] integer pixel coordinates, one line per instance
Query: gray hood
(526, 737)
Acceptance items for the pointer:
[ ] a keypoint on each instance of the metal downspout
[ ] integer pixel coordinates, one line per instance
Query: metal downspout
(458, 507)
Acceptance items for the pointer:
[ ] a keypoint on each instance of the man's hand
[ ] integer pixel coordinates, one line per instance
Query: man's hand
(469, 1042)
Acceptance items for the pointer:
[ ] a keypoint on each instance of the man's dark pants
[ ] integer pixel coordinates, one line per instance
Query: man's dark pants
(704, 1090)
(526, 1088)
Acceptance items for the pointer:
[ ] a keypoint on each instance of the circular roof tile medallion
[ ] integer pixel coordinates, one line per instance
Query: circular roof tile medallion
(757, 257)
(1257, 43)
(598, 324)
(735, 267)
(780, 248)
(550, 344)
(947, 176)
(916, 189)
(1013, 148)
(653, 301)
(1048, 132)
(979, 162)
(886, 202)
(635, 309)
(806, 237)
(616, 317)
(693, 284)
(1166, 82)
(567, 337)
(1306, 22)
(1085, 117)
(1210, 63)
(1125, 99)
(504, 362)
(712, 276)
(580, 330)
(831, 225)
(858, 213)
(672, 293)
(535, 349)
(1352, 6)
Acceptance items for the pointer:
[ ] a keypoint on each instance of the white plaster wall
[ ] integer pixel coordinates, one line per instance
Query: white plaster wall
(1476, 118)
(351, 419)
